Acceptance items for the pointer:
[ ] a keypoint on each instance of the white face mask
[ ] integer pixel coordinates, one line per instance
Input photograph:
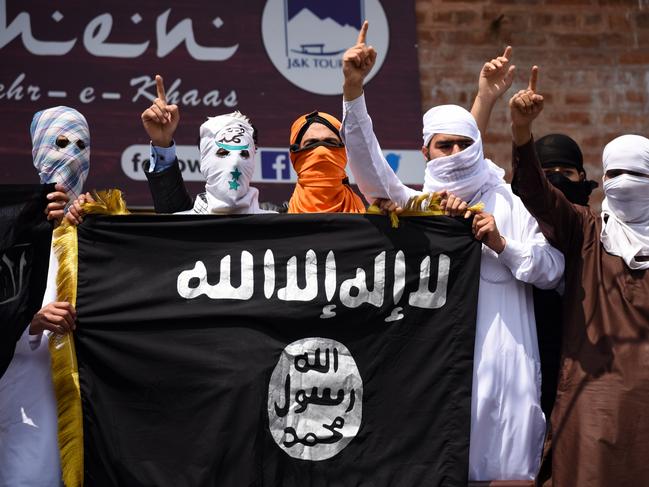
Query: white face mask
(628, 197)
(228, 163)
(625, 210)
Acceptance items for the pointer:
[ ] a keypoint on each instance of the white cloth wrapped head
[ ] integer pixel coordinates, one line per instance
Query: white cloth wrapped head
(625, 210)
(66, 164)
(466, 174)
(228, 162)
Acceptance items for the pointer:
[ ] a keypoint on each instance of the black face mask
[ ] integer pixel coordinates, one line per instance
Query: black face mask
(577, 193)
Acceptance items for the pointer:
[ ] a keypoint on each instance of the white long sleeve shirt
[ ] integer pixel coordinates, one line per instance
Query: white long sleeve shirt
(507, 423)
(29, 450)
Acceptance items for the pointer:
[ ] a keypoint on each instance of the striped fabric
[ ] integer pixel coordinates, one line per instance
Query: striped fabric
(67, 165)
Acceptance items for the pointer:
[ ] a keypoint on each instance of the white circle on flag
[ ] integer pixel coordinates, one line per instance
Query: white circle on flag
(315, 399)
(306, 42)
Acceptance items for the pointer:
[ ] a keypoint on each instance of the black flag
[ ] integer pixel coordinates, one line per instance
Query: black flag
(25, 238)
(276, 350)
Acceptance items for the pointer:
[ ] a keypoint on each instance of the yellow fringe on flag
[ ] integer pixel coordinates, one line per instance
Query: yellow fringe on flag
(425, 204)
(65, 373)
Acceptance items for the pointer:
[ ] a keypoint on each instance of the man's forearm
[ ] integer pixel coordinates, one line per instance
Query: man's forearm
(351, 90)
(521, 134)
(481, 111)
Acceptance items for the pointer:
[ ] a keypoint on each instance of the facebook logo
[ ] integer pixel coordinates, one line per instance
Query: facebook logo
(275, 165)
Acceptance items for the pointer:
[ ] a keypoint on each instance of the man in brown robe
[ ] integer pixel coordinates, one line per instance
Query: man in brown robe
(600, 424)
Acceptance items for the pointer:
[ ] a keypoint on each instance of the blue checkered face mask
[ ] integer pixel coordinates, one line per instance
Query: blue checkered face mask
(61, 148)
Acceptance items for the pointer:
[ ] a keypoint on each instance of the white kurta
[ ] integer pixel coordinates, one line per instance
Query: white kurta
(29, 451)
(507, 423)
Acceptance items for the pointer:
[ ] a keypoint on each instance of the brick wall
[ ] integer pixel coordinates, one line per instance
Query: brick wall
(593, 55)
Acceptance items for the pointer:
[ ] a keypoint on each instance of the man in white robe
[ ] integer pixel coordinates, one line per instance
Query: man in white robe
(29, 450)
(507, 423)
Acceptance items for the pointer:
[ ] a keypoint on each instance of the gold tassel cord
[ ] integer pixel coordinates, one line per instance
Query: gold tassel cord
(65, 373)
(108, 202)
(425, 204)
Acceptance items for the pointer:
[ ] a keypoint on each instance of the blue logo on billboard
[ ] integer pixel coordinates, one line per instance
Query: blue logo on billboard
(303, 15)
(275, 165)
(305, 39)
(393, 160)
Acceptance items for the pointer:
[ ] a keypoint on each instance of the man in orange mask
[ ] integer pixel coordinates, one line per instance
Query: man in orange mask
(319, 159)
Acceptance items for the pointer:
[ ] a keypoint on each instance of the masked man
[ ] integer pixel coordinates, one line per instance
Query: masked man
(600, 428)
(29, 453)
(228, 144)
(319, 159)
(563, 165)
(507, 424)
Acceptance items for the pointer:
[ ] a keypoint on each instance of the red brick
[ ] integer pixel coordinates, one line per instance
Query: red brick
(619, 23)
(571, 118)
(577, 40)
(636, 96)
(580, 98)
(635, 57)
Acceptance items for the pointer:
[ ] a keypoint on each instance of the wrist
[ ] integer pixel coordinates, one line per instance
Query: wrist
(162, 142)
(487, 99)
(352, 90)
(500, 246)
(521, 134)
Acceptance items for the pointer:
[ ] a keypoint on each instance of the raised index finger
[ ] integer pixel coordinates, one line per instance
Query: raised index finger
(534, 77)
(159, 83)
(508, 52)
(363, 33)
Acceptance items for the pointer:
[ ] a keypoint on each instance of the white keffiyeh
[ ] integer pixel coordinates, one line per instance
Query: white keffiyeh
(625, 210)
(466, 174)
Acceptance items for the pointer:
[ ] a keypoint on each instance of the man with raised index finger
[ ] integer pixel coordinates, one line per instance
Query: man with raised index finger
(228, 144)
(507, 424)
(599, 424)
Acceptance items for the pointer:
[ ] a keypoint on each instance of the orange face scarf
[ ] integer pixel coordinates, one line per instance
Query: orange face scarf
(321, 171)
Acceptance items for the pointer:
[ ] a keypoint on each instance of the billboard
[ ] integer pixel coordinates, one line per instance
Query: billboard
(271, 59)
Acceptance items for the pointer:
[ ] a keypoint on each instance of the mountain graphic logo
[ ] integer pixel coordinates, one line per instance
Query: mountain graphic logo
(306, 39)
(346, 15)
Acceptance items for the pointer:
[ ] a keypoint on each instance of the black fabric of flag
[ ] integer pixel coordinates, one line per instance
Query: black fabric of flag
(25, 239)
(337, 352)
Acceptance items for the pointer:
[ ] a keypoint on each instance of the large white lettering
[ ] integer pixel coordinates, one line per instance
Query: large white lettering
(96, 33)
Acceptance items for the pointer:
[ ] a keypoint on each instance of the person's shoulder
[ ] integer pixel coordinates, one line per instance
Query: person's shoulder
(501, 194)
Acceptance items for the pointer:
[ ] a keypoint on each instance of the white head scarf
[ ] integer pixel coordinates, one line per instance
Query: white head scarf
(625, 210)
(227, 185)
(466, 174)
(67, 165)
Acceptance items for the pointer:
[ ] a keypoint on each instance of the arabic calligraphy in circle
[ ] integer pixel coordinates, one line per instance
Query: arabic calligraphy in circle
(315, 399)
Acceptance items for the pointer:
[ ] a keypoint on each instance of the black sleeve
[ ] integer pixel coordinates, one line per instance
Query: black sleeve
(168, 189)
(558, 218)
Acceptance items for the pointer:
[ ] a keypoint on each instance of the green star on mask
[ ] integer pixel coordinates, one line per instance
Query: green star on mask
(234, 185)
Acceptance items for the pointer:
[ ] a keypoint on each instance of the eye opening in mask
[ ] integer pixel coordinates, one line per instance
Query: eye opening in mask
(221, 152)
(613, 173)
(62, 141)
(81, 144)
(317, 143)
(449, 144)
